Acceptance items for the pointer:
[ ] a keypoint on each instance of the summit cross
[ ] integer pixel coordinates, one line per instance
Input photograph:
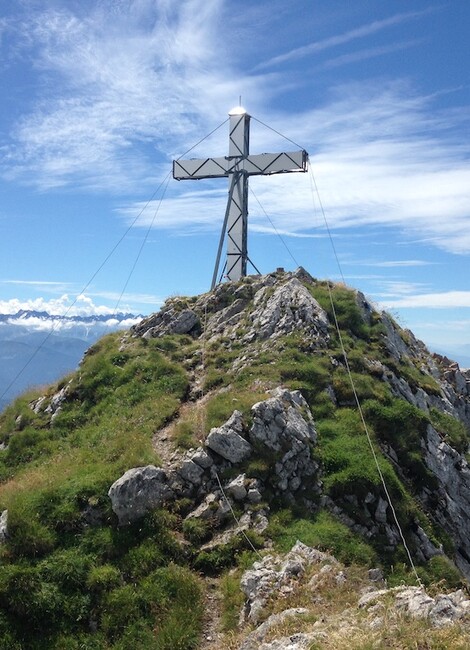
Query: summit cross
(238, 166)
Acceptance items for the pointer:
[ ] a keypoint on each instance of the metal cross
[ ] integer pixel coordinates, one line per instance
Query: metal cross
(238, 166)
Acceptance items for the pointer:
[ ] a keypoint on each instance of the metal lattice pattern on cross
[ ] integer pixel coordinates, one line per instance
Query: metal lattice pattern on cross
(238, 166)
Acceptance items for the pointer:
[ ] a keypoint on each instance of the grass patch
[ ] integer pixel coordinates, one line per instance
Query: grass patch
(348, 313)
(453, 431)
(221, 406)
(403, 426)
(323, 532)
(232, 600)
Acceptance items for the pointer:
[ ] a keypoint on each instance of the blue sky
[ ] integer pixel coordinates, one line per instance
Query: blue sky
(99, 97)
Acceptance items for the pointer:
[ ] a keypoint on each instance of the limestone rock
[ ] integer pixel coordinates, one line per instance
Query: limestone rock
(283, 424)
(201, 458)
(443, 609)
(167, 321)
(269, 574)
(440, 610)
(191, 471)
(453, 503)
(236, 488)
(4, 527)
(227, 441)
(395, 343)
(283, 420)
(289, 308)
(258, 636)
(139, 490)
(213, 509)
(299, 641)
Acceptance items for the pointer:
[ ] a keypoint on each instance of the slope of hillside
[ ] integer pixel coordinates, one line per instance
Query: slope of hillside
(137, 491)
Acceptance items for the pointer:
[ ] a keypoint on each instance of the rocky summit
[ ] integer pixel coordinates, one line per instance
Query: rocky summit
(272, 465)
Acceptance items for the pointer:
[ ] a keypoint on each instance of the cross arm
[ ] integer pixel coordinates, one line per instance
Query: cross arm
(254, 165)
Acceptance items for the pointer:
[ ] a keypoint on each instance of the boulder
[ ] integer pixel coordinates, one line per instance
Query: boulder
(201, 458)
(190, 472)
(227, 442)
(139, 490)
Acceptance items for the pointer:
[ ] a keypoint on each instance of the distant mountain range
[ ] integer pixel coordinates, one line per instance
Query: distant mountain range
(38, 348)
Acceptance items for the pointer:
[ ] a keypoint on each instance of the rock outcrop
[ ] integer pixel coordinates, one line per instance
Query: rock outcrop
(168, 321)
(282, 425)
(258, 312)
(451, 500)
(311, 577)
(274, 574)
(291, 307)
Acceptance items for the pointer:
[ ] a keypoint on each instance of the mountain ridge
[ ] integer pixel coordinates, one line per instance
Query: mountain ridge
(227, 428)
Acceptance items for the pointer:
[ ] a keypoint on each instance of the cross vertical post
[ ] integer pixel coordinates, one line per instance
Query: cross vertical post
(237, 223)
(238, 166)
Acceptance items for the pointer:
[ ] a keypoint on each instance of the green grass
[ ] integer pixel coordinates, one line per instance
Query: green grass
(346, 456)
(454, 432)
(403, 426)
(67, 564)
(57, 572)
(347, 311)
(323, 532)
(232, 600)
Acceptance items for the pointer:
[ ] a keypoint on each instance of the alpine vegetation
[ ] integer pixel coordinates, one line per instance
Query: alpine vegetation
(271, 465)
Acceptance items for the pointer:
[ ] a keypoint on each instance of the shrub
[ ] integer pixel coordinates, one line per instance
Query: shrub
(66, 568)
(196, 530)
(27, 445)
(214, 561)
(142, 559)
(232, 601)
(27, 536)
(173, 595)
(139, 635)
(184, 435)
(403, 426)
(347, 311)
(346, 456)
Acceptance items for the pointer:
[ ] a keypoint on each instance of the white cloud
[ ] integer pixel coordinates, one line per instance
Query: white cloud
(368, 53)
(379, 159)
(125, 78)
(118, 79)
(462, 326)
(129, 299)
(340, 39)
(36, 324)
(394, 263)
(444, 300)
(398, 288)
(63, 306)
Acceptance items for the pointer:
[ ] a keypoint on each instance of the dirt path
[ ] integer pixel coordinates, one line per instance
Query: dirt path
(211, 638)
(163, 439)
